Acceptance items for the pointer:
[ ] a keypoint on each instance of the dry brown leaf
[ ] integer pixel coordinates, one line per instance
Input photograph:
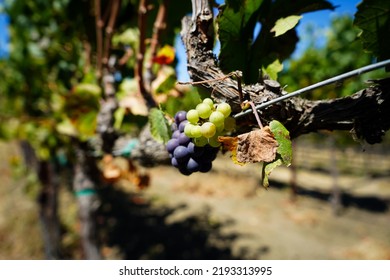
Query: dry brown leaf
(230, 144)
(256, 146)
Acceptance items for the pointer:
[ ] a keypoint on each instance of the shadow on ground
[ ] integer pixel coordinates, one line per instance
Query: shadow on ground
(143, 232)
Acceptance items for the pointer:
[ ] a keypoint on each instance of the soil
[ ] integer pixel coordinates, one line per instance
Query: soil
(241, 220)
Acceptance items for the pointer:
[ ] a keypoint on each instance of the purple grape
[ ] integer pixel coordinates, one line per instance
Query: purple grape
(192, 165)
(182, 125)
(176, 134)
(173, 127)
(174, 162)
(205, 167)
(180, 116)
(195, 151)
(172, 144)
(181, 153)
(184, 171)
(183, 139)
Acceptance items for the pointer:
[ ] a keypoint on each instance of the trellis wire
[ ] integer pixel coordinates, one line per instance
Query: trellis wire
(356, 72)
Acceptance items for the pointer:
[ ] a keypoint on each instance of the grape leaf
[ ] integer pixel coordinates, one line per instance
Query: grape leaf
(273, 69)
(159, 126)
(284, 150)
(256, 146)
(230, 144)
(372, 18)
(267, 169)
(282, 135)
(283, 25)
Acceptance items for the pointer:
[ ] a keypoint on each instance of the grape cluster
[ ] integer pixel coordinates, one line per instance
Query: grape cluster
(194, 143)
(208, 121)
(185, 156)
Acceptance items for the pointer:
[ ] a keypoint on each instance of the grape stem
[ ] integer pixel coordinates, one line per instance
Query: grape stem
(255, 113)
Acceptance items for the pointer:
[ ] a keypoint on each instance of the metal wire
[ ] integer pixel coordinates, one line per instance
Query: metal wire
(356, 72)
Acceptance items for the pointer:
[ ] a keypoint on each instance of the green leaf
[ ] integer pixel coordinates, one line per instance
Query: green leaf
(283, 25)
(236, 22)
(159, 126)
(284, 151)
(267, 169)
(273, 69)
(372, 18)
(282, 135)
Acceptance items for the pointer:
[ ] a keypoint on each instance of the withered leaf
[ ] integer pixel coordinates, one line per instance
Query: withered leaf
(230, 144)
(256, 146)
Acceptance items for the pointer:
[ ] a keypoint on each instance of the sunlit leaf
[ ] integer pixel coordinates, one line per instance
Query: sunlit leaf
(282, 135)
(267, 169)
(230, 144)
(159, 126)
(273, 69)
(283, 25)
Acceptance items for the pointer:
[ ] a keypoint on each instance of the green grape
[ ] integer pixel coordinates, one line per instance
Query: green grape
(225, 109)
(204, 110)
(208, 129)
(217, 118)
(188, 130)
(209, 101)
(213, 141)
(201, 141)
(230, 124)
(220, 127)
(193, 116)
(196, 131)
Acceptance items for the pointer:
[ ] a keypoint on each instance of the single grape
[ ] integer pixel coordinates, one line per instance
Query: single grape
(225, 109)
(184, 171)
(180, 116)
(220, 128)
(196, 131)
(173, 127)
(188, 129)
(213, 141)
(174, 162)
(193, 116)
(209, 101)
(204, 110)
(230, 124)
(172, 144)
(181, 153)
(176, 134)
(208, 129)
(182, 125)
(183, 139)
(192, 165)
(205, 167)
(201, 141)
(217, 118)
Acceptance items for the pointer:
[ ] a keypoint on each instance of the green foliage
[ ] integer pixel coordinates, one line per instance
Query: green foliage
(285, 24)
(159, 126)
(283, 153)
(373, 18)
(237, 21)
(342, 53)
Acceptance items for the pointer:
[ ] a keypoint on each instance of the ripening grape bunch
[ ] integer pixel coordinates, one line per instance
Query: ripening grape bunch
(194, 143)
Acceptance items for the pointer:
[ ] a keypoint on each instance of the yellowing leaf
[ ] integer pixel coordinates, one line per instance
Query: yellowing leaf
(230, 144)
(165, 55)
(283, 25)
(256, 146)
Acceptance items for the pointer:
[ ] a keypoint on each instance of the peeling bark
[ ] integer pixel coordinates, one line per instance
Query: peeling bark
(364, 112)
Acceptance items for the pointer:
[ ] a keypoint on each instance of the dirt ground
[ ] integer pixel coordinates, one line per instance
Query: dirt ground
(223, 214)
(268, 224)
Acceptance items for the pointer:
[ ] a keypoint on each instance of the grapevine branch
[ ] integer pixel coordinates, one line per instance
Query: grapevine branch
(364, 112)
